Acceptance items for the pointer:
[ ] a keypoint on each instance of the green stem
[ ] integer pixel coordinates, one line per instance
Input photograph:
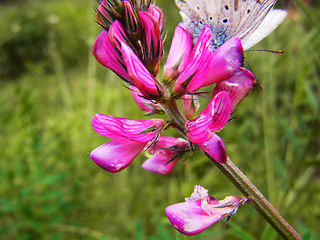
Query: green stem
(171, 109)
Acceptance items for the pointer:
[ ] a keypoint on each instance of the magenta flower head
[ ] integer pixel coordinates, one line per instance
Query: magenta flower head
(142, 25)
(166, 152)
(123, 10)
(201, 211)
(129, 137)
(213, 118)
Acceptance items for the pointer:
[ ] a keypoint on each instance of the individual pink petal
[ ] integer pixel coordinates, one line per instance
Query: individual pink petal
(152, 43)
(107, 56)
(189, 218)
(238, 86)
(139, 75)
(197, 128)
(194, 216)
(180, 50)
(167, 151)
(199, 193)
(144, 104)
(196, 69)
(117, 34)
(151, 31)
(131, 20)
(199, 133)
(190, 105)
(214, 147)
(159, 163)
(220, 109)
(135, 130)
(103, 16)
(157, 14)
(226, 61)
(213, 118)
(117, 154)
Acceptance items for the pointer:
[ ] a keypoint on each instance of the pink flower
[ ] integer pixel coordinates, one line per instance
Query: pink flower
(203, 66)
(107, 56)
(103, 17)
(190, 105)
(166, 152)
(201, 211)
(226, 61)
(158, 15)
(213, 118)
(139, 75)
(139, 25)
(145, 104)
(180, 50)
(238, 86)
(131, 20)
(152, 42)
(117, 154)
(129, 137)
(117, 35)
(196, 68)
(112, 51)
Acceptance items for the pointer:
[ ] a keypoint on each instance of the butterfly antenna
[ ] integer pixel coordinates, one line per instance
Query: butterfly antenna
(262, 50)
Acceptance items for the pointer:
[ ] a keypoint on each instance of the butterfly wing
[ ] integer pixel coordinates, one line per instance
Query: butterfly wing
(227, 18)
(271, 22)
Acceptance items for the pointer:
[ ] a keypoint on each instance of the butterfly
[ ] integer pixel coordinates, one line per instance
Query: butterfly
(249, 20)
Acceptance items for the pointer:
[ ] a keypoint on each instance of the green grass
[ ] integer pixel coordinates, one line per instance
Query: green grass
(51, 189)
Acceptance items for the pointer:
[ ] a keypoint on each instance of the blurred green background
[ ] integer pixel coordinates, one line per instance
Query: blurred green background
(51, 86)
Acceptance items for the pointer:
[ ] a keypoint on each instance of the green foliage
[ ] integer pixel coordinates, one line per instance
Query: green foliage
(51, 189)
(27, 28)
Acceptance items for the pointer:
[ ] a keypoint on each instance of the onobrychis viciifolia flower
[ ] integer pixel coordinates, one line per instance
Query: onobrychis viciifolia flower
(131, 43)
(131, 46)
(201, 210)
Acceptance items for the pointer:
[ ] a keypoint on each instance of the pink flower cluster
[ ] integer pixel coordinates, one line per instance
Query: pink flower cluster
(131, 46)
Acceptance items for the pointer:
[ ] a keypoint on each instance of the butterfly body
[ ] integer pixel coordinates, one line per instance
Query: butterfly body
(231, 18)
